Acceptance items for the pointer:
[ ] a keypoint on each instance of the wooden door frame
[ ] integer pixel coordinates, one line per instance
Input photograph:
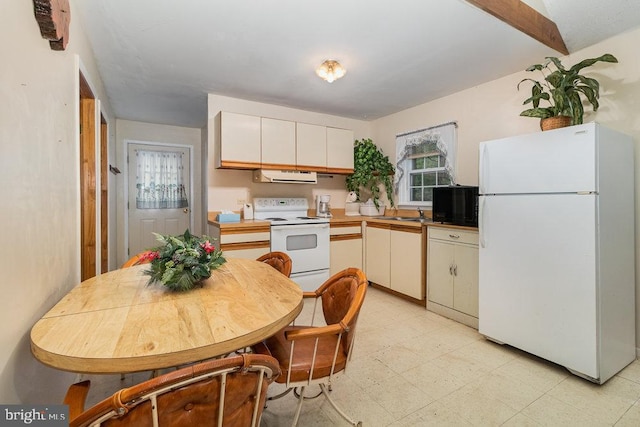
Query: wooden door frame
(104, 195)
(88, 202)
(94, 182)
(126, 143)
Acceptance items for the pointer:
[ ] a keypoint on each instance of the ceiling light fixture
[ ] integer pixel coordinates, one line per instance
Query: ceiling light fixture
(330, 70)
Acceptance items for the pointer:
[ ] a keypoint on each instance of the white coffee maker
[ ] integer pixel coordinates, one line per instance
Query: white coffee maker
(323, 210)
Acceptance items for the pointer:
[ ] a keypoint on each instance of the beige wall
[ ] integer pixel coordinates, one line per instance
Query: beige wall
(149, 132)
(39, 190)
(491, 111)
(227, 188)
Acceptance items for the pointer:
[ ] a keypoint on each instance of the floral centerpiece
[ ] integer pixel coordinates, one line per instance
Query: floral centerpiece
(182, 261)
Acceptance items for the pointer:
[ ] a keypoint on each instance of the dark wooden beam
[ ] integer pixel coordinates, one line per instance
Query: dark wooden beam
(53, 18)
(526, 19)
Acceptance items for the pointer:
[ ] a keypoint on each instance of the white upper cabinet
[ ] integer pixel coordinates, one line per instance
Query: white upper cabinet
(278, 144)
(311, 149)
(239, 141)
(339, 150)
(253, 142)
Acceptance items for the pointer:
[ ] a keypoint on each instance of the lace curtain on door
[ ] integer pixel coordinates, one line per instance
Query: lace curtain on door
(159, 180)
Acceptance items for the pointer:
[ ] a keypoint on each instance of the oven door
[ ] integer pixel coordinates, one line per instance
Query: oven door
(310, 280)
(306, 244)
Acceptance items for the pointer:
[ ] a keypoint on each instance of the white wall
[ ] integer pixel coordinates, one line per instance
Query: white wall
(227, 188)
(150, 132)
(491, 111)
(39, 191)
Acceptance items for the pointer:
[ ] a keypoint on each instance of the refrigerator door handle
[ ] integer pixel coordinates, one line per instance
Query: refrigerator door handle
(484, 159)
(482, 224)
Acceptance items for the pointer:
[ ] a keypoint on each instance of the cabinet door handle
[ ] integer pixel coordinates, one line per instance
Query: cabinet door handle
(454, 236)
(451, 270)
(455, 269)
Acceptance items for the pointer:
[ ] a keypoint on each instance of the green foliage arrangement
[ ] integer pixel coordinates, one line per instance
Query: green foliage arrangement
(371, 168)
(562, 89)
(182, 261)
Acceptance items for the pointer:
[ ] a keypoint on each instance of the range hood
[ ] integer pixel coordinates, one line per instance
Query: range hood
(288, 177)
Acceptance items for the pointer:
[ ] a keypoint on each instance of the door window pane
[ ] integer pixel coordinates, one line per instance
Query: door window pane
(159, 180)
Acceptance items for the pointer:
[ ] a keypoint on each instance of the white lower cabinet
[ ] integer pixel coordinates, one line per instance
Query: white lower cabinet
(377, 246)
(394, 258)
(242, 242)
(346, 246)
(452, 274)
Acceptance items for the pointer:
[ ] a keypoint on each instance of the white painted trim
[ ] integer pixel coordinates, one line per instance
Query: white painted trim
(77, 68)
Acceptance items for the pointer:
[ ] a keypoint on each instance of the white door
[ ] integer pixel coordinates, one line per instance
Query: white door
(159, 193)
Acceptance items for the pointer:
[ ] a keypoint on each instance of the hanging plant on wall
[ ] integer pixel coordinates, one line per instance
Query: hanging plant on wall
(371, 169)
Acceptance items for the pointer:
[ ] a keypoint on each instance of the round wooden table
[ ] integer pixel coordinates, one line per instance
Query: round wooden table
(115, 323)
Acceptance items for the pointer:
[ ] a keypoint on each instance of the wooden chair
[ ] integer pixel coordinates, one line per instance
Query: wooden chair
(229, 392)
(135, 260)
(278, 260)
(312, 354)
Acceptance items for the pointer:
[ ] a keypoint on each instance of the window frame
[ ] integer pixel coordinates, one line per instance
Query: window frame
(446, 162)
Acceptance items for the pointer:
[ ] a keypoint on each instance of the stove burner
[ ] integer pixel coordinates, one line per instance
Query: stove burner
(275, 219)
(307, 217)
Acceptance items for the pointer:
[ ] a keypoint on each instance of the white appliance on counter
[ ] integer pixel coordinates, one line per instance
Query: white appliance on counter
(305, 239)
(557, 258)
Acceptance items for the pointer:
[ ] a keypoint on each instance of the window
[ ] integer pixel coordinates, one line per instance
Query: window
(159, 180)
(425, 160)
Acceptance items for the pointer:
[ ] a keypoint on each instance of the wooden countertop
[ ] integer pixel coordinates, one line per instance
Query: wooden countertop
(338, 218)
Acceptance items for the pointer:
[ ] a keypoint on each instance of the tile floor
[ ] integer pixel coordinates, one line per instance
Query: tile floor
(412, 367)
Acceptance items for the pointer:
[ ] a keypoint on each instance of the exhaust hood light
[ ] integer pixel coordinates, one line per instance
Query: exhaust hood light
(330, 70)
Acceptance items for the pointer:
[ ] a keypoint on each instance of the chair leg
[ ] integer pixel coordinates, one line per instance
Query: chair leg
(295, 391)
(300, 400)
(278, 396)
(338, 410)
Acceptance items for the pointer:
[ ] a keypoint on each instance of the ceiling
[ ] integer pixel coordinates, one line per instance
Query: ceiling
(159, 59)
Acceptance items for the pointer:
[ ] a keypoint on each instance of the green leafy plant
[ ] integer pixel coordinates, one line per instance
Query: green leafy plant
(182, 261)
(563, 88)
(371, 168)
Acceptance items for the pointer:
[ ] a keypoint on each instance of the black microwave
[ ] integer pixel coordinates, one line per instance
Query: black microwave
(456, 204)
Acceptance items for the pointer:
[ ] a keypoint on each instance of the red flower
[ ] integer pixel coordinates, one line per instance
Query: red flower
(148, 256)
(208, 247)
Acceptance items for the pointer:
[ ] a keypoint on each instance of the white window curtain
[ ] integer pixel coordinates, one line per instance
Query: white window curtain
(442, 138)
(159, 180)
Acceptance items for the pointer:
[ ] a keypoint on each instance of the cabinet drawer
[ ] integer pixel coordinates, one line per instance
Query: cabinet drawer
(453, 235)
(337, 231)
(243, 238)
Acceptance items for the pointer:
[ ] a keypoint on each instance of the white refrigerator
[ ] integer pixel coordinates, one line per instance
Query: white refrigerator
(556, 220)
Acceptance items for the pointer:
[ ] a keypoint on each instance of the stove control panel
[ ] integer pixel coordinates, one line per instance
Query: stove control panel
(273, 204)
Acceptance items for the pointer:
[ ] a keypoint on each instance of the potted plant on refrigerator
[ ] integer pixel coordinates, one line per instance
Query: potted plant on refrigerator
(371, 171)
(563, 89)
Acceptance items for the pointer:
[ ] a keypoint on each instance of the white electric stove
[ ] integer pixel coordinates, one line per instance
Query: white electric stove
(305, 239)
